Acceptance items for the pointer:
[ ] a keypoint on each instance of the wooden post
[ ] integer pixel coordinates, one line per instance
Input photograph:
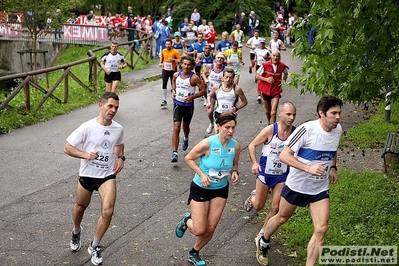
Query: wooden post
(95, 74)
(66, 87)
(27, 96)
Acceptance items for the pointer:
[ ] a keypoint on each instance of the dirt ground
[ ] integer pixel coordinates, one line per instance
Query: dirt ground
(352, 158)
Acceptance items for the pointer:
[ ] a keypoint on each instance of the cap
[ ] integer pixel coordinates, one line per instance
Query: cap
(262, 40)
(221, 55)
(177, 34)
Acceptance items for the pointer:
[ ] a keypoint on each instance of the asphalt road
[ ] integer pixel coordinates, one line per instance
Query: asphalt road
(39, 182)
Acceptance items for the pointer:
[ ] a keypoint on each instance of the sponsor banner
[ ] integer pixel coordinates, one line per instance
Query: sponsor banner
(85, 32)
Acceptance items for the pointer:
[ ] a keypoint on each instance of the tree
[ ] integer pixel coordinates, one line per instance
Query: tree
(355, 55)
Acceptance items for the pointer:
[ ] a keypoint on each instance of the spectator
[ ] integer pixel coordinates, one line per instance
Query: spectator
(90, 16)
(131, 28)
(75, 11)
(250, 29)
(236, 20)
(195, 17)
(129, 12)
(243, 23)
(168, 13)
(57, 23)
(12, 17)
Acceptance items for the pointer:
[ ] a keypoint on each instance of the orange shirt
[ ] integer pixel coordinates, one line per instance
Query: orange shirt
(169, 65)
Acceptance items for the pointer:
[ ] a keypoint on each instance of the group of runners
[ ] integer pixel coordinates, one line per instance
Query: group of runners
(296, 163)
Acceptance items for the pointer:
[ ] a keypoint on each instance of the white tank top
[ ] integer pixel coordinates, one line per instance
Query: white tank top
(225, 99)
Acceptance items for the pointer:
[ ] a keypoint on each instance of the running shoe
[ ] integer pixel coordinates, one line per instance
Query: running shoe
(181, 227)
(209, 128)
(174, 157)
(261, 253)
(248, 203)
(185, 144)
(95, 253)
(258, 235)
(259, 100)
(164, 103)
(195, 259)
(76, 244)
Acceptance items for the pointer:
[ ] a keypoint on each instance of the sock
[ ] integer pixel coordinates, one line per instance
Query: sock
(192, 251)
(76, 231)
(264, 242)
(184, 138)
(175, 152)
(261, 232)
(164, 94)
(95, 243)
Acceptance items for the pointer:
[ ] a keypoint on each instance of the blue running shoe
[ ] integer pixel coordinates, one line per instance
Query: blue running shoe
(195, 259)
(185, 144)
(174, 157)
(181, 227)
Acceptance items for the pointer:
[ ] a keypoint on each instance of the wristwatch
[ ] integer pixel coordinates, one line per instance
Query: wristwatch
(122, 157)
(334, 167)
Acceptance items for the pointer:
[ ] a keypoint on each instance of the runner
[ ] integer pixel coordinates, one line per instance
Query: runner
(213, 75)
(234, 59)
(262, 54)
(219, 155)
(183, 93)
(102, 158)
(227, 95)
(167, 61)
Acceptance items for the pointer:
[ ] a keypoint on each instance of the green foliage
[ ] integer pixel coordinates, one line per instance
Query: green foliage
(355, 55)
(364, 211)
(373, 133)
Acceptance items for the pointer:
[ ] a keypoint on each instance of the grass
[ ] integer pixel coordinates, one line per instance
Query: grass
(78, 96)
(364, 206)
(373, 133)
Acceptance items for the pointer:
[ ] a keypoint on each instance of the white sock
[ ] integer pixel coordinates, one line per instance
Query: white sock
(164, 94)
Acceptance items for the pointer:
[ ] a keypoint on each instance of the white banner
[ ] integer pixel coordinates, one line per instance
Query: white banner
(85, 32)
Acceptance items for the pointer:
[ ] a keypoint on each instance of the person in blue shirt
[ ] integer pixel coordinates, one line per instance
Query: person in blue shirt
(183, 28)
(219, 155)
(224, 44)
(165, 33)
(196, 49)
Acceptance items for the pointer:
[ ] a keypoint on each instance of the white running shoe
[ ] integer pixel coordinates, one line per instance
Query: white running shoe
(209, 128)
(95, 253)
(76, 244)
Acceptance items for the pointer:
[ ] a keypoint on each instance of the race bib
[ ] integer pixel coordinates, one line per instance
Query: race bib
(234, 60)
(275, 167)
(327, 165)
(181, 94)
(218, 175)
(224, 106)
(101, 161)
(168, 66)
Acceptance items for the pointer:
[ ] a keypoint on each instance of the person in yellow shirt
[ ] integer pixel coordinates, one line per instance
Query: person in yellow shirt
(234, 60)
(167, 61)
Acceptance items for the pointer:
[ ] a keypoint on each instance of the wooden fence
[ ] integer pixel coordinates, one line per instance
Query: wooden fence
(30, 79)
